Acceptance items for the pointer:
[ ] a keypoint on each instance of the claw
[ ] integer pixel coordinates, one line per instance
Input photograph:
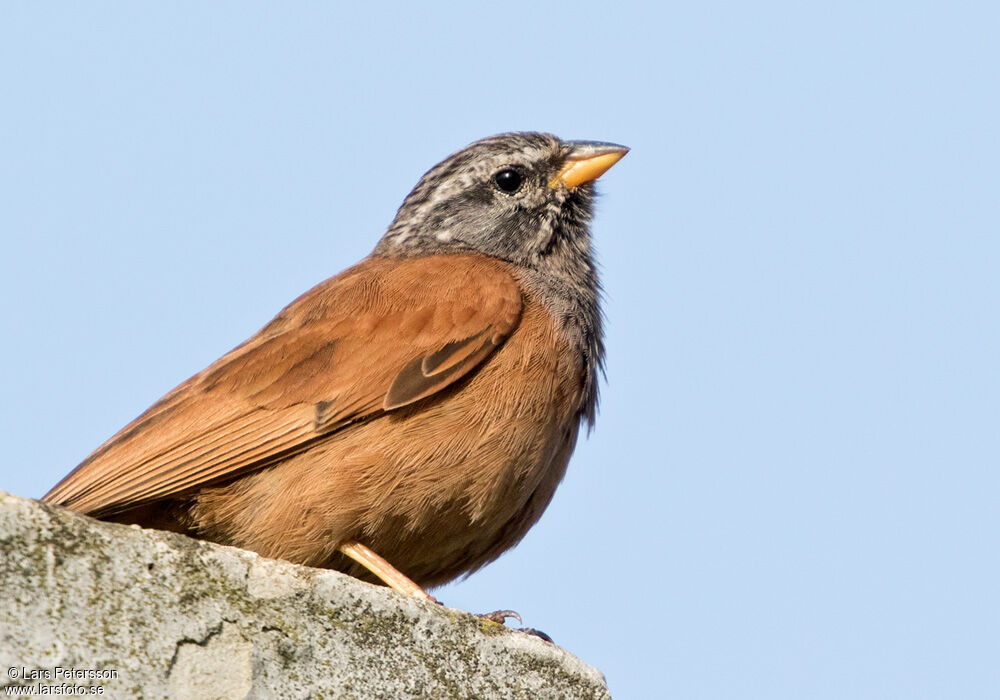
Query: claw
(500, 616)
(536, 633)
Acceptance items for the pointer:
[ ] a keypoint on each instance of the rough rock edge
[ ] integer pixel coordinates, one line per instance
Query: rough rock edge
(177, 617)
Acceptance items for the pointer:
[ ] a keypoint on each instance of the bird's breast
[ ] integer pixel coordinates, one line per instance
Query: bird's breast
(438, 488)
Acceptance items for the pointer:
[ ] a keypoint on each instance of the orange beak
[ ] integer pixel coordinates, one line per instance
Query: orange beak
(587, 161)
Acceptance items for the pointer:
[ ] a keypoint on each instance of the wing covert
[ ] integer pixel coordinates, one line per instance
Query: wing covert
(381, 335)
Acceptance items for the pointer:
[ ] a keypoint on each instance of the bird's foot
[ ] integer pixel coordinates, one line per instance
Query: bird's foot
(500, 616)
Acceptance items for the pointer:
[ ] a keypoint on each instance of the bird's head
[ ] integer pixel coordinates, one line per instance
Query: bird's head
(519, 197)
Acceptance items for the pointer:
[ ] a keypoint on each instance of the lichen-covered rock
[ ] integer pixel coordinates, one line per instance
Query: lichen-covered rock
(142, 613)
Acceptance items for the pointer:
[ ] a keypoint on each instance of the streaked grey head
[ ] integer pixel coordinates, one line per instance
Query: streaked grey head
(500, 196)
(526, 198)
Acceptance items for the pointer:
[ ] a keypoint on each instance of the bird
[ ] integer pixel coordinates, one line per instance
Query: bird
(408, 420)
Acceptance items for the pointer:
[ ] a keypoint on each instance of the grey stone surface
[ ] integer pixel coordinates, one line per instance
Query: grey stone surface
(173, 617)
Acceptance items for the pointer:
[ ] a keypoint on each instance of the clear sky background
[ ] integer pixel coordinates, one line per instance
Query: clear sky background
(793, 490)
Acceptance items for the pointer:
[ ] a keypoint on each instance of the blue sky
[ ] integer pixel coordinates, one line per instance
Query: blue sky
(792, 490)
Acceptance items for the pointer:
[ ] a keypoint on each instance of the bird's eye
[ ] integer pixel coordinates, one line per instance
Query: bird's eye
(508, 180)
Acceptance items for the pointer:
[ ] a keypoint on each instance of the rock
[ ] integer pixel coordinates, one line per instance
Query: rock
(143, 613)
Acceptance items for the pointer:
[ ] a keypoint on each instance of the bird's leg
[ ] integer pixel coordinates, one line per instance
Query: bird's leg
(392, 577)
(398, 581)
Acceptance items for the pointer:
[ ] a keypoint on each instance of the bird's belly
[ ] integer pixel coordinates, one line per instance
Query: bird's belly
(458, 506)
(438, 488)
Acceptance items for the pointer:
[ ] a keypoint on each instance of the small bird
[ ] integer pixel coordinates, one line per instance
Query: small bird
(408, 420)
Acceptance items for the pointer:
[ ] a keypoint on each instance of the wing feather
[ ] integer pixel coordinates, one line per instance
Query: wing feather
(381, 335)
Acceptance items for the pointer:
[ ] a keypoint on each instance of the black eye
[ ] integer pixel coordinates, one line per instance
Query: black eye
(508, 180)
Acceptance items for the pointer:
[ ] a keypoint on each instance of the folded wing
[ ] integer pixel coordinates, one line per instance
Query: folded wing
(379, 336)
